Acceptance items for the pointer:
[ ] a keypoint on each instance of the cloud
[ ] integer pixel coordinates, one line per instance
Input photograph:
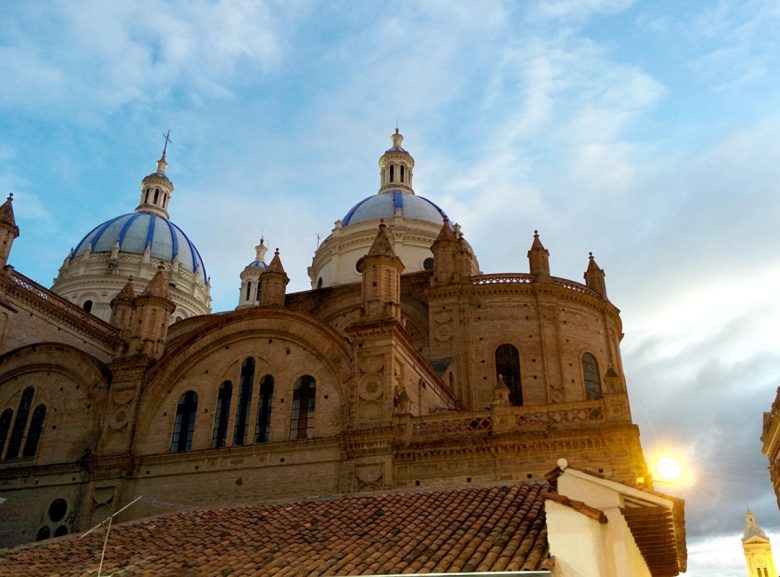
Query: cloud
(109, 55)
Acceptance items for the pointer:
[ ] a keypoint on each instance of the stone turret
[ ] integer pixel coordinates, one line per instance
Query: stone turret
(156, 188)
(594, 277)
(8, 230)
(122, 309)
(445, 255)
(152, 311)
(273, 283)
(539, 259)
(381, 270)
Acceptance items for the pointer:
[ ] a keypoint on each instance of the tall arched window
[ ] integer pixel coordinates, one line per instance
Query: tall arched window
(222, 414)
(244, 400)
(590, 374)
(248, 290)
(20, 424)
(402, 173)
(184, 425)
(5, 426)
(264, 409)
(508, 366)
(34, 434)
(392, 173)
(302, 422)
(87, 306)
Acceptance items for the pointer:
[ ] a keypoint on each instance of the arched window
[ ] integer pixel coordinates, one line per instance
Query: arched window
(248, 290)
(156, 195)
(34, 434)
(508, 366)
(319, 283)
(43, 533)
(257, 291)
(302, 422)
(5, 426)
(244, 399)
(184, 425)
(590, 374)
(402, 173)
(264, 409)
(146, 199)
(222, 414)
(392, 173)
(87, 306)
(15, 444)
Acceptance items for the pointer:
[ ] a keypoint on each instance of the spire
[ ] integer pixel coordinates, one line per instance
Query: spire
(594, 277)
(8, 229)
(156, 188)
(752, 529)
(122, 308)
(381, 245)
(446, 233)
(396, 166)
(260, 250)
(158, 286)
(127, 294)
(539, 258)
(276, 263)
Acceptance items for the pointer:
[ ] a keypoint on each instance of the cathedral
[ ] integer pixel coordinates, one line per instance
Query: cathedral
(406, 396)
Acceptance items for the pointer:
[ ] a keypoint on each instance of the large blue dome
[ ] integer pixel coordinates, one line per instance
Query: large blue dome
(384, 205)
(137, 230)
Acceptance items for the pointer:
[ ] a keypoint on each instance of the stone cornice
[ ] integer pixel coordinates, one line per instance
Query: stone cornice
(56, 308)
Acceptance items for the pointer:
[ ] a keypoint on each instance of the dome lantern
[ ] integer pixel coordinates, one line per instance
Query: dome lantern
(395, 167)
(156, 188)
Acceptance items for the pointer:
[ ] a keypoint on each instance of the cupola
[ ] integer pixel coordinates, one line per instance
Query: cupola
(396, 166)
(156, 188)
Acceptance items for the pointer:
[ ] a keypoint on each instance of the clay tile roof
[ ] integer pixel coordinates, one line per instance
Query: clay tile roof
(462, 530)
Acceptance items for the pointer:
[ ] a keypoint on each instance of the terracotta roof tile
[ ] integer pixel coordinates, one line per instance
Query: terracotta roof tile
(463, 530)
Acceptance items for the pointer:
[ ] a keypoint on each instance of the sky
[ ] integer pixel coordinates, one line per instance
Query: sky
(646, 132)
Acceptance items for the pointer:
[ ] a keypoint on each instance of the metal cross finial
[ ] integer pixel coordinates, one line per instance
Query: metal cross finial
(168, 140)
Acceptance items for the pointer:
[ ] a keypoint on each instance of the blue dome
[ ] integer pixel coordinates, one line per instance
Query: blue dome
(385, 204)
(257, 264)
(137, 230)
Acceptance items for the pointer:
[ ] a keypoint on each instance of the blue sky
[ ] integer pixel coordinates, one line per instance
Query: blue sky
(646, 132)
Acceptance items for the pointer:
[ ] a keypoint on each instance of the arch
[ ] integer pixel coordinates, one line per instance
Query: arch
(591, 377)
(508, 366)
(245, 386)
(263, 424)
(248, 290)
(20, 424)
(87, 306)
(392, 173)
(156, 195)
(221, 415)
(302, 419)
(402, 173)
(184, 425)
(34, 434)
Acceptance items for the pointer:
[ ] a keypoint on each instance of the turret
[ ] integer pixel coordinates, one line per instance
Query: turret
(445, 255)
(396, 166)
(156, 188)
(757, 549)
(8, 229)
(594, 277)
(539, 259)
(122, 309)
(273, 283)
(249, 293)
(152, 311)
(381, 270)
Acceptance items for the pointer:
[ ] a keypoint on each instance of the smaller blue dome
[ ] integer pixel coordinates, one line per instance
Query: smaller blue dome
(257, 264)
(385, 204)
(137, 230)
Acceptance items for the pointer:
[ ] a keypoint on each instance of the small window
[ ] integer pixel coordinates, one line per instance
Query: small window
(428, 263)
(43, 533)
(257, 291)
(302, 422)
(263, 425)
(156, 195)
(402, 173)
(5, 426)
(221, 415)
(244, 400)
(60, 531)
(590, 374)
(508, 366)
(34, 434)
(248, 290)
(184, 425)
(87, 306)
(15, 444)
(392, 173)
(319, 283)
